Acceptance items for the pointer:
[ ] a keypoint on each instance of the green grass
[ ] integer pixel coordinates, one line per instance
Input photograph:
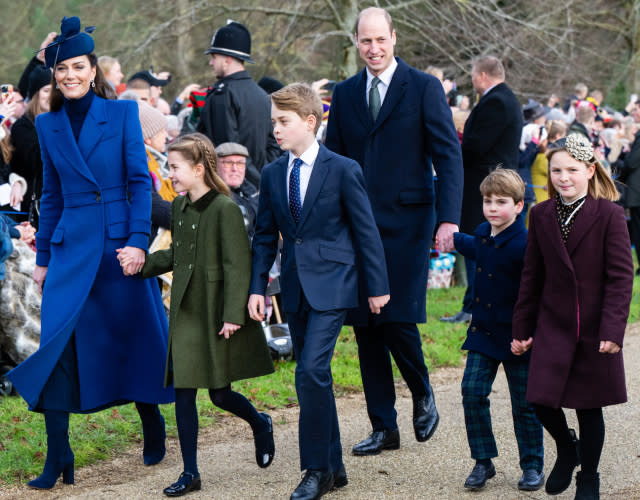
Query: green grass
(105, 434)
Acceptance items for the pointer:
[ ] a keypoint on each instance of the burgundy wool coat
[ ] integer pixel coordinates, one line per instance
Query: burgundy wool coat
(571, 297)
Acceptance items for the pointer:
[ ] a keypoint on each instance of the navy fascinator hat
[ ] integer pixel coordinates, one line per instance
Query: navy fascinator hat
(71, 42)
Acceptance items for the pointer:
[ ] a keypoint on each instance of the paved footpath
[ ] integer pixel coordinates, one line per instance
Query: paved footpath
(433, 470)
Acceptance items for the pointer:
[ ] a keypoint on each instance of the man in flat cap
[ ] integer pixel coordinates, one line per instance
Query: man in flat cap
(236, 109)
(232, 166)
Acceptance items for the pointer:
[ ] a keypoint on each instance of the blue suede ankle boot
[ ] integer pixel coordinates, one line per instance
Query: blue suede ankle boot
(153, 432)
(59, 454)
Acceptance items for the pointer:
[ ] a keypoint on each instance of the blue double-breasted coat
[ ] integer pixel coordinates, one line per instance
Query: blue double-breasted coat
(96, 199)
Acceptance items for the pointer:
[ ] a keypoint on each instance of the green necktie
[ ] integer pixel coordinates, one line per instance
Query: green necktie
(374, 98)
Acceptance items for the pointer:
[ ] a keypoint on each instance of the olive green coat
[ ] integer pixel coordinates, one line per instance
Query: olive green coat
(211, 264)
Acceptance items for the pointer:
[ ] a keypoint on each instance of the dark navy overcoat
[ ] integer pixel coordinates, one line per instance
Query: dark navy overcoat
(413, 130)
(499, 261)
(95, 199)
(572, 297)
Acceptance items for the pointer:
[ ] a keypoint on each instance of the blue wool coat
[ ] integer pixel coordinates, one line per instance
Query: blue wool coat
(499, 263)
(414, 128)
(95, 199)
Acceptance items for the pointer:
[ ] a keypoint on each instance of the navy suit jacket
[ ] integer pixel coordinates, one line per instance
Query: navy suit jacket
(499, 262)
(413, 128)
(319, 254)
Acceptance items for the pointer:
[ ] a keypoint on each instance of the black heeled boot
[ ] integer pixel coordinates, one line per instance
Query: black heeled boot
(59, 454)
(562, 472)
(587, 486)
(153, 432)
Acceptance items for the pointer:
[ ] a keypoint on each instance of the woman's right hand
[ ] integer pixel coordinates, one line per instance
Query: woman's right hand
(39, 274)
(519, 347)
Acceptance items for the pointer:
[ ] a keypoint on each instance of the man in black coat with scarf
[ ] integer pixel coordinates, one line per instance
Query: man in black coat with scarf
(491, 138)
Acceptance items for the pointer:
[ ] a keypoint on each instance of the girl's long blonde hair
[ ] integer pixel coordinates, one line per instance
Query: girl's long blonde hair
(600, 185)
(197, 148)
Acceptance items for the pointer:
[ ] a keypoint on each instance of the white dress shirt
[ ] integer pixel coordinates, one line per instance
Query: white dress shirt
(385, 80)
(308, 159)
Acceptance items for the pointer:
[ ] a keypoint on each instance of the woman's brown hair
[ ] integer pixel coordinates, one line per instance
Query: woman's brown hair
(6, 148)
(33, 108)
(102, 87)
(197, 148)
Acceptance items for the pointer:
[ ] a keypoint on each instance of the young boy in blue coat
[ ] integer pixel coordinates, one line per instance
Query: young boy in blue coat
(498, 248)
(317, 200)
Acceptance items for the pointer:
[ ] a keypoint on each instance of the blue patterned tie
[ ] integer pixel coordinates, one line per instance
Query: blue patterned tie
(295, 204)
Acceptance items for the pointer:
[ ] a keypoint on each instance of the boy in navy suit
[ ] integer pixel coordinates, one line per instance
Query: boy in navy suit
(498, 248)
(317, 200)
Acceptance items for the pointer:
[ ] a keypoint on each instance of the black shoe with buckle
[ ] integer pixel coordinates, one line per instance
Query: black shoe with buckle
(479, 475)
(187, 482)
(378, 441)
(314, 485)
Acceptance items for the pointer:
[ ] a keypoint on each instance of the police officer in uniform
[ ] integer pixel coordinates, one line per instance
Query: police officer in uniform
(236, 109)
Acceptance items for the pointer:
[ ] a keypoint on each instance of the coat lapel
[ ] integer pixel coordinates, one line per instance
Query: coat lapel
(585, 218)
(395, 92)
(316, 181)
(93, 129)
(552, 231)
(67, 145)
(359, 98)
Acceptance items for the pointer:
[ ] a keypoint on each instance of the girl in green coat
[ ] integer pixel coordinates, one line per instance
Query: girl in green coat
(212, 342)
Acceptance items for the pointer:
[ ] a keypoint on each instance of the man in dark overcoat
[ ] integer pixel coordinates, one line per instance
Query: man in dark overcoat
(394, 121)
(236, 109)
(491, 138)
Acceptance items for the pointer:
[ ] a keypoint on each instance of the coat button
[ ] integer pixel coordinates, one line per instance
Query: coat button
(473, 328)
(479, 269)
(177, 243)
(298, 241)
(192, 246)
(193, 226)
(477, 299)
(484, 240)
(488, 306)
(488, 334)
(98, 197)
(190, 266)
(490, 275)
(180, 223)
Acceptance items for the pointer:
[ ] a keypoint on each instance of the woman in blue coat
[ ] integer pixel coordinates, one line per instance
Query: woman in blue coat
(104, 335)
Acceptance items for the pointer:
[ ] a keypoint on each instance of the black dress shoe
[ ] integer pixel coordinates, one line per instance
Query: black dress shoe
(459, 317)
(265, 446)
(340, 478)
(479, 475)
(314, 484)
(186, 483)
(378, 441)
(531, 480)
(425, 417)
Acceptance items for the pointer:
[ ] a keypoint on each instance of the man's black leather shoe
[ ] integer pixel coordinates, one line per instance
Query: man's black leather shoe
(425, 417)
(186, 483)
(378, 441)
(479, 475)
(314, 484)
(340, 478)
(459, 317)
(531, 480)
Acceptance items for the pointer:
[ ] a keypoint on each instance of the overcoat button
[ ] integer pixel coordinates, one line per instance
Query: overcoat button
(488, 306)
(477, 299)
(190, 266)
(298, 241)
(193, 226)
(177, 243)
(479, 269)
(98, 197)
(473, 328)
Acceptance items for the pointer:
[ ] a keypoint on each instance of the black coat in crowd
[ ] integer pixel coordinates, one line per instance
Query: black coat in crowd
(237, 110)
(26, 160)
(491, 138)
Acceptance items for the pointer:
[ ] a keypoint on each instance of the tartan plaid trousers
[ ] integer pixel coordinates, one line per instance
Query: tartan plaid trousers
(479, 374)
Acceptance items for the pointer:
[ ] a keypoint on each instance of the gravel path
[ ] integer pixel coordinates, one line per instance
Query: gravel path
(433, 470)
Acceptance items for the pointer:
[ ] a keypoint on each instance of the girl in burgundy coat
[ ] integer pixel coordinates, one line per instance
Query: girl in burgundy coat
(572, 309)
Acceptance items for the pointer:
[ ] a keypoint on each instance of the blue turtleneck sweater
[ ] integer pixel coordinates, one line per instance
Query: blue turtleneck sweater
(77, 111)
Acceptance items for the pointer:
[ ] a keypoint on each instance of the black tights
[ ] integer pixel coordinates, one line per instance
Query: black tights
(187, 418)
(591, 424)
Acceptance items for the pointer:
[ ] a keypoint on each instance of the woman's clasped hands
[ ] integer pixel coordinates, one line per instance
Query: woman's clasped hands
(131, 260)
